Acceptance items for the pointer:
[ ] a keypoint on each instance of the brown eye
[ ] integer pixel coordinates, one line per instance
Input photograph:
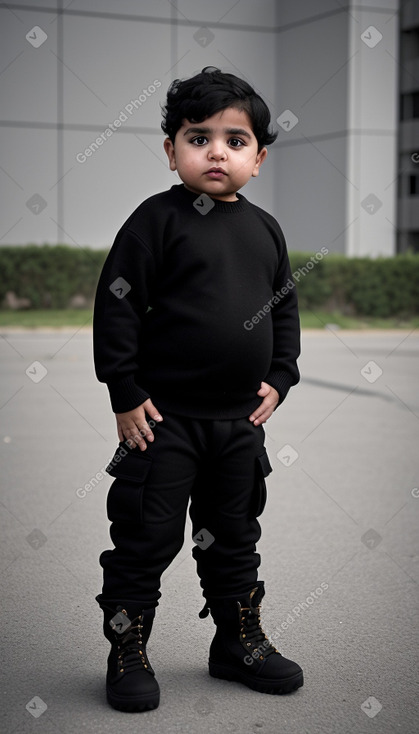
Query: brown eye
(236, 142)
(200, 140)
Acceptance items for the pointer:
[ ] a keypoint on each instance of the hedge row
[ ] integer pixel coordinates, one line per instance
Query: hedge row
(59, 276)
(49, 276)
(378, 287)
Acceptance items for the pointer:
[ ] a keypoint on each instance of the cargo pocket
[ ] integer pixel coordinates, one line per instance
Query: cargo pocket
(130, 467)
(262, 469)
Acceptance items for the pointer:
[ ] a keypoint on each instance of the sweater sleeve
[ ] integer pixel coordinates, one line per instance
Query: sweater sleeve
(284, 372)
(122, 300)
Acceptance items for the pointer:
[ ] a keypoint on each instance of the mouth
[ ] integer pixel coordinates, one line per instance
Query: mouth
(215, 173)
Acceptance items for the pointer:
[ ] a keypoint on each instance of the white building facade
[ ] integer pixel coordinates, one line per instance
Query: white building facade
(82, 88)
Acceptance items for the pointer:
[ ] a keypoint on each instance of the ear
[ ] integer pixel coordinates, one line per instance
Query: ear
(259, 160)
(170, 152)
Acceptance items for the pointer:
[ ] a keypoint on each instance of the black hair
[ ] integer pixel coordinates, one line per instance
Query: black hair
(209, 92)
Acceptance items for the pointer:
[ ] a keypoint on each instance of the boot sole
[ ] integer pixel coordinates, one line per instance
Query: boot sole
(284, 685)
(133, 703)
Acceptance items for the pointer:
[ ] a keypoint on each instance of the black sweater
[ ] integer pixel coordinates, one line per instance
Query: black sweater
(175, 303)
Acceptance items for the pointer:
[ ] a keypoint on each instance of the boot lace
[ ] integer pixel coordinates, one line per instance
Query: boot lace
(131, 648)
(252, 635)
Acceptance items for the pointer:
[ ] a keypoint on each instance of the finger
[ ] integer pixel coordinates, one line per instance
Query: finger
(123, 430)
(139, 441)
(263, 418)
(259, 410)
(266, 404)
(146, 432)
(152, 410)
(135, 441)
(259, 419)
(254, 415)
(135, 436)
(130, 433)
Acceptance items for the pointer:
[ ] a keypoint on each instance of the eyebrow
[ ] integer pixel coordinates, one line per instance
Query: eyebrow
(227, 131)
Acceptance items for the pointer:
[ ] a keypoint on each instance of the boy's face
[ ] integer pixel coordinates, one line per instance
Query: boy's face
(225, 142)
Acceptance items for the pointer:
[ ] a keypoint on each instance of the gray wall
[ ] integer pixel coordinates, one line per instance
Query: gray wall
(336, 170)
(99, 56)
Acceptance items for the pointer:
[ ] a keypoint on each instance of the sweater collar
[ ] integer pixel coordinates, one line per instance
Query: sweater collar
(227, 207)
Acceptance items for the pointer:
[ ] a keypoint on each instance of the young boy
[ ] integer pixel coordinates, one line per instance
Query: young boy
(196, 334)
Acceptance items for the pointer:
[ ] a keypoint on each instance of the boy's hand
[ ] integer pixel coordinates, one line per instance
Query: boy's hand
(266, 408)
(133, 425)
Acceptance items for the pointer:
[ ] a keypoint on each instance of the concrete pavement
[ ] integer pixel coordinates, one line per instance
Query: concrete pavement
(339, 549)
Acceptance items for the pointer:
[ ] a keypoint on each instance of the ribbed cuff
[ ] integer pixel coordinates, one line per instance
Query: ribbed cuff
(126, 395)
(281, 381)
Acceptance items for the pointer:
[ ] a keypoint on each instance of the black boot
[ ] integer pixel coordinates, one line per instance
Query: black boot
(241, 651)
(130, 681)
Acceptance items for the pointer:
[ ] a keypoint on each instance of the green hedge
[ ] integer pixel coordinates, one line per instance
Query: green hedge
(380, 287)
(50, 276)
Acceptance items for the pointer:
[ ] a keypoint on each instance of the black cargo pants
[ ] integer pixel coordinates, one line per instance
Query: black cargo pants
(220, 465)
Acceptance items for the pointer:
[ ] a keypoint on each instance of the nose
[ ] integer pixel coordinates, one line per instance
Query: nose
(216, 151)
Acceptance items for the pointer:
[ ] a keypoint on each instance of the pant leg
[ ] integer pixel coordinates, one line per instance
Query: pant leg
(147, 504)
(227, 498)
